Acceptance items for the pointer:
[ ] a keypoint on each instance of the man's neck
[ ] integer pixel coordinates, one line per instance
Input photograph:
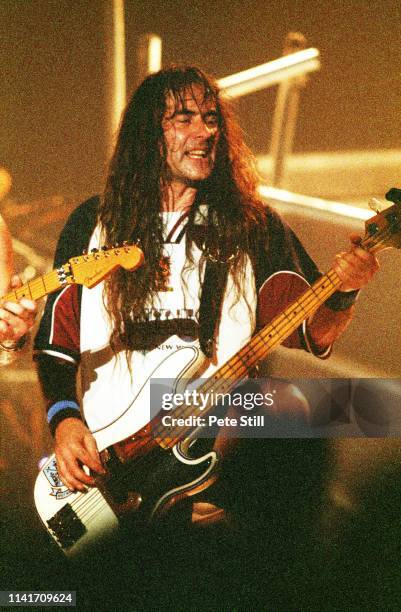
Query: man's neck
(179, 197)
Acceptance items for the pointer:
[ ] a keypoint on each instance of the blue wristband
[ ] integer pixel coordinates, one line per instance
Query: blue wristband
(61, 405)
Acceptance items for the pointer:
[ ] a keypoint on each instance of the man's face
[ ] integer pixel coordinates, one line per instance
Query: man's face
(191, 132)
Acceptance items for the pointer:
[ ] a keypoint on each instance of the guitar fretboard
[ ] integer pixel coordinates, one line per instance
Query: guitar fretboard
(36, 288)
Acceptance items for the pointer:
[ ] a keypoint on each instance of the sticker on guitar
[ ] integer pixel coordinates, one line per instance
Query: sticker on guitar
(58, 489)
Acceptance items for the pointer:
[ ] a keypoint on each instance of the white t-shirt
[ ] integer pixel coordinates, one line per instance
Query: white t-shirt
(115, 399)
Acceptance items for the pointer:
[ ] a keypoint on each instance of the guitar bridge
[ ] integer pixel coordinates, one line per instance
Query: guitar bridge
(66, 526)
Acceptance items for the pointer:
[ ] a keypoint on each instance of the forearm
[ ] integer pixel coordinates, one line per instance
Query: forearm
(58, 380)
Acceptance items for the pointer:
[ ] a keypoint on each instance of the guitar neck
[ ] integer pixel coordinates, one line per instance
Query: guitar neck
(38, 287)
(236, 369)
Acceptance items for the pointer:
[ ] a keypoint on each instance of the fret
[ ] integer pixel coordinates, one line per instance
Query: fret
(35, 289)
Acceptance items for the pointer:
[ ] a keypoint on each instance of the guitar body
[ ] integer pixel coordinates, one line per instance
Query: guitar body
(135, 491)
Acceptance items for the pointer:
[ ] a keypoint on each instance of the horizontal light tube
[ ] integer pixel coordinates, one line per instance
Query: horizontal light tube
(270, 73)
(338, 208)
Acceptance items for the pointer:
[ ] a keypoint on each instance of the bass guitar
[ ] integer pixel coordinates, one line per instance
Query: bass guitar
(156, 466)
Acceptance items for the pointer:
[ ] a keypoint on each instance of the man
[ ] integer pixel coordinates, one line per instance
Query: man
(16, 318)
(181, 183)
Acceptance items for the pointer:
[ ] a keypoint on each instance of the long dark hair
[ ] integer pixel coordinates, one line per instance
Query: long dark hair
(137, 183)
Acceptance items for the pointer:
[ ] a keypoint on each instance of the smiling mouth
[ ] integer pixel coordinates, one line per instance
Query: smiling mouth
(197, 154)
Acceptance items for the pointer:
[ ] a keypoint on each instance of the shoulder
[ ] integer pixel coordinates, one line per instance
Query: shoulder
(270, 231)
(85, 215)
(76, 233)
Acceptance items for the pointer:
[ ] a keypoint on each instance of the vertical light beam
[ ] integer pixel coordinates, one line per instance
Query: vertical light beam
(154, 53)
(119, 72)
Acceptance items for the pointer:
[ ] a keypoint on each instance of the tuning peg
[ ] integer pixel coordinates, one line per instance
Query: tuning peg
(376, 205)
(85, 252)
(104, 248)
(94, 250)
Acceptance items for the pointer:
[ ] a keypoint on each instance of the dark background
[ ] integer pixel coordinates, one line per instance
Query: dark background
(52, 58)
(52, 141)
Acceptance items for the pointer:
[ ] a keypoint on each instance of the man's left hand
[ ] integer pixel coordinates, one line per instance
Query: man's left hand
(16, 318)
(355, 267)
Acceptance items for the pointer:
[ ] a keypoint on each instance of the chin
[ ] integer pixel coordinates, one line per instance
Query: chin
(200, 182)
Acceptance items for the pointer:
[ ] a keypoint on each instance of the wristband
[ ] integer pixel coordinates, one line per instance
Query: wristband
(61, 410)
(59, 406)
(342, 300)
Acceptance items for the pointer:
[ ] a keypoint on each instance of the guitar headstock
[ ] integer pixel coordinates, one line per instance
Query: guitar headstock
(91, 269)
(383, 231)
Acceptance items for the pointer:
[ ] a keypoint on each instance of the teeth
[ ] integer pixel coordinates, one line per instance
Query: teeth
(197, 154)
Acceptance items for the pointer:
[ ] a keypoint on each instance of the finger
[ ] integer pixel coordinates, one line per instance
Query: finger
(91, 446)
(364, 267)
(364, 255)
(15, 326)
(344, 264)
(72, 483)
(70, 460)
(29, 305)
(77, 474)
(17, 317)
(359, 260)
(67, 477)
(345, 272)
(14, 307)
(355, 238)
(92, 462)
(15, 281)
(347, 269)
(24, 308)
(4, 328)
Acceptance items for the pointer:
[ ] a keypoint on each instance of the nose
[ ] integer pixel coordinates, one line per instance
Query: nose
(202, 129)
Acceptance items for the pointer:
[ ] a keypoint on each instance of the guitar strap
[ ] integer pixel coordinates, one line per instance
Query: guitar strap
(214, 285)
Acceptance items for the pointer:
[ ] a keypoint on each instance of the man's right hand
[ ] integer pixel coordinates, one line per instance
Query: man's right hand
(76, 446)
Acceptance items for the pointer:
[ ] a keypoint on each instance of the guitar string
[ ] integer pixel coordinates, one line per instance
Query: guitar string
(256, 358)
(265, 339)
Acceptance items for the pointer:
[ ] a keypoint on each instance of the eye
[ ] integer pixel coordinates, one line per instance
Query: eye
(181, 118)
(211, 120)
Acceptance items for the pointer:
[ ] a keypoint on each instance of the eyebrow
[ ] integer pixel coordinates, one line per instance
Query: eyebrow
(187, 111)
